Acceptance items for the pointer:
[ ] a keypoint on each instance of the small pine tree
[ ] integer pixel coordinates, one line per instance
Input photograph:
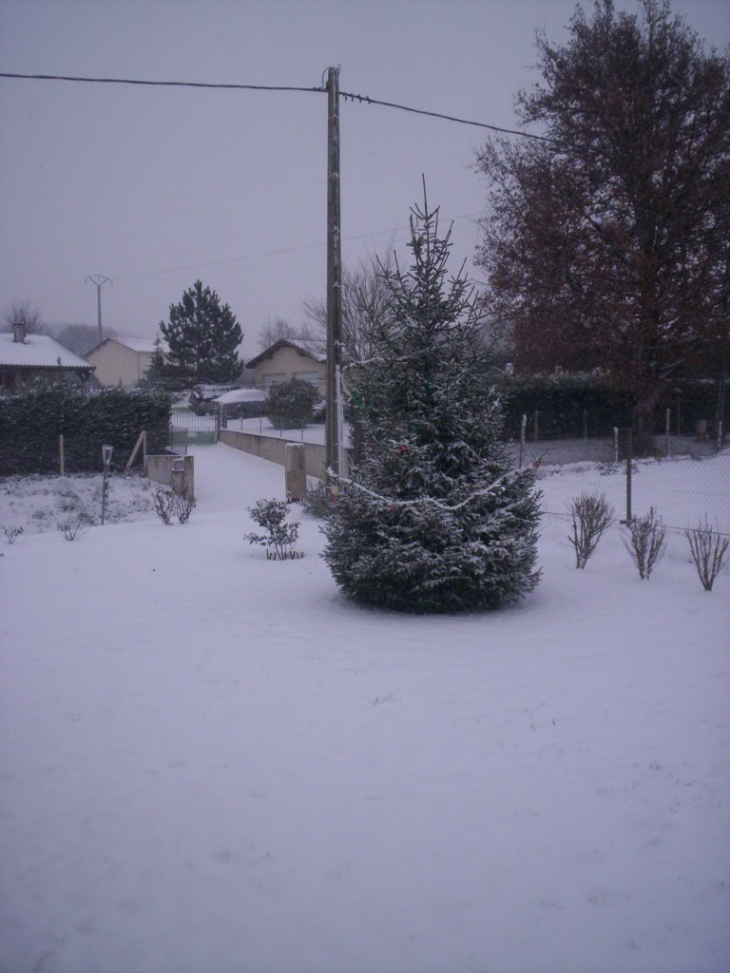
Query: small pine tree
(203, 338)
(435, 518)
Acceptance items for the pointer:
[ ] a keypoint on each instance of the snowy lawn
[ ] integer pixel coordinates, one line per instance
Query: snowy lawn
(211, 762)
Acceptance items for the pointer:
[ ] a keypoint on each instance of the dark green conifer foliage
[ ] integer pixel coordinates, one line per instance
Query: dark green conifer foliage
(435, 519)
(203, 338)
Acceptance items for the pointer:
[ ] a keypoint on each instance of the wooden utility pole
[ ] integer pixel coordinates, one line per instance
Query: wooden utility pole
(333, 426)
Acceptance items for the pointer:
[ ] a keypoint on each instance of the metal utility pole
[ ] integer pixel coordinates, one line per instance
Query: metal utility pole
(334, 421)
(98, 280)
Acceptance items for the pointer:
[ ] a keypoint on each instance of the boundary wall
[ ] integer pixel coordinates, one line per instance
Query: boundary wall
(273, 448)
(177, 472)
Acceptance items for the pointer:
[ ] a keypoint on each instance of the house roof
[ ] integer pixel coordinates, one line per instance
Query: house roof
(38, 351)
(138, 345)
(284, 343)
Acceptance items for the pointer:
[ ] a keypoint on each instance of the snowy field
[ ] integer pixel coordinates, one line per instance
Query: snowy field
(211, 762)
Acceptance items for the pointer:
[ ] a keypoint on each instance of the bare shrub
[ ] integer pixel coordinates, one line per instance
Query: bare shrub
(73, 527)
(169, 504)
(646, 542)
(164, 505)
(591, 514)
(184, 504)
(12, 533)
(709, 549)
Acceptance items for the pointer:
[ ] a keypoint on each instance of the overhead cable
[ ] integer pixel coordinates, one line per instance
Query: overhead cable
(159, 84)
(321, 89)
(448, 118)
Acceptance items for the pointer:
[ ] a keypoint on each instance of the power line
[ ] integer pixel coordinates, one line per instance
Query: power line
(159, 84)
(448, 118)
(284, 251)
(347, 95)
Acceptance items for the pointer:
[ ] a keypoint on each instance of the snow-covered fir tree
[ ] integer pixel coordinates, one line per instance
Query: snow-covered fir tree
(435, 518)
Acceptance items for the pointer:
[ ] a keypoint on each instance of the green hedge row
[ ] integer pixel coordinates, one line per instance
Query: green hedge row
(562, 402)
(31, 423)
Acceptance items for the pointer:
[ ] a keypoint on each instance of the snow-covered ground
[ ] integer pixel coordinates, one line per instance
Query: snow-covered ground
(211, 762)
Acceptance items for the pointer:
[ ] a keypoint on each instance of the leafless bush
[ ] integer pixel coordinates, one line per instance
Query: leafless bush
(709, 549)
(591, 514)
(169, 504)
(184, 503)
(646, 542)
(164, 505)
(11, 533)
(73, 527)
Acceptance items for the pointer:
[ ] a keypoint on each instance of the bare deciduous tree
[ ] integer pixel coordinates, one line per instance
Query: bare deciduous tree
(22, 312)
(365, 306)
(279, 329)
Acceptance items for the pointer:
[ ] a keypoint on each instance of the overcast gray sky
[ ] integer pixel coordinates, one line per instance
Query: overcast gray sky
(156, 187)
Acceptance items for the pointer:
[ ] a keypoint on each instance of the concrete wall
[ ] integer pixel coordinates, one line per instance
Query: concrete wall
(177, 472)
(273, 449)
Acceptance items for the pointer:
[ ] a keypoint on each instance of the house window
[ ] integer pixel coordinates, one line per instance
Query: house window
(311, 377)
(273, 378)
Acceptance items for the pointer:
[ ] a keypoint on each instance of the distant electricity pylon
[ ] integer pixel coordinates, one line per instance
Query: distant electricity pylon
(98, 280)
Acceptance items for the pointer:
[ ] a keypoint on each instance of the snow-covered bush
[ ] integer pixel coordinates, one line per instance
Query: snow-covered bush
(709, 550)
(280, 536)
(435, 518)
(646, 542)
(592, 515)
(291, 404)
(12, 533)
(317, 500)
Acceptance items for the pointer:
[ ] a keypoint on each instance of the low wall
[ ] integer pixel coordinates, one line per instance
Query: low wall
(272, 448)
(177, 472)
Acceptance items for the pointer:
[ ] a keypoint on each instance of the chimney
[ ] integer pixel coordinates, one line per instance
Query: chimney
(19, 332)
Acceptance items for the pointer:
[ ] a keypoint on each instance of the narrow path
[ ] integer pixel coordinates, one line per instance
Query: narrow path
(227, 480)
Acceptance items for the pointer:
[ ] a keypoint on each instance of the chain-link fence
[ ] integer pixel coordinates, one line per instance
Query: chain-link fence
(687, 479)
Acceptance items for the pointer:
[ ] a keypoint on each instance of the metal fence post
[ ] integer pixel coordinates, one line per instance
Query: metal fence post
(629, 464)
(523, 426)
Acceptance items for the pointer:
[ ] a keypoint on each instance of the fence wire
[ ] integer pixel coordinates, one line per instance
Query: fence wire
(683, 488)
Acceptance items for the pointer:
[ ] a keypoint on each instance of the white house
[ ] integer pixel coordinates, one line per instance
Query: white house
(285, 360)
(28, 357)
(121, 362)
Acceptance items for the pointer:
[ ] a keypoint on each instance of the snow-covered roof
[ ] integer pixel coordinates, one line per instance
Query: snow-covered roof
(285, 343)
(38, 351)
(138, 345)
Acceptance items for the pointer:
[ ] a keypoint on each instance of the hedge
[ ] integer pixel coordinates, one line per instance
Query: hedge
(32, 421)
(562, 401)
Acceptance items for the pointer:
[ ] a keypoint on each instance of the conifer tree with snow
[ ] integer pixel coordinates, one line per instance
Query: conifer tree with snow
(203, 337)
(435, 518)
